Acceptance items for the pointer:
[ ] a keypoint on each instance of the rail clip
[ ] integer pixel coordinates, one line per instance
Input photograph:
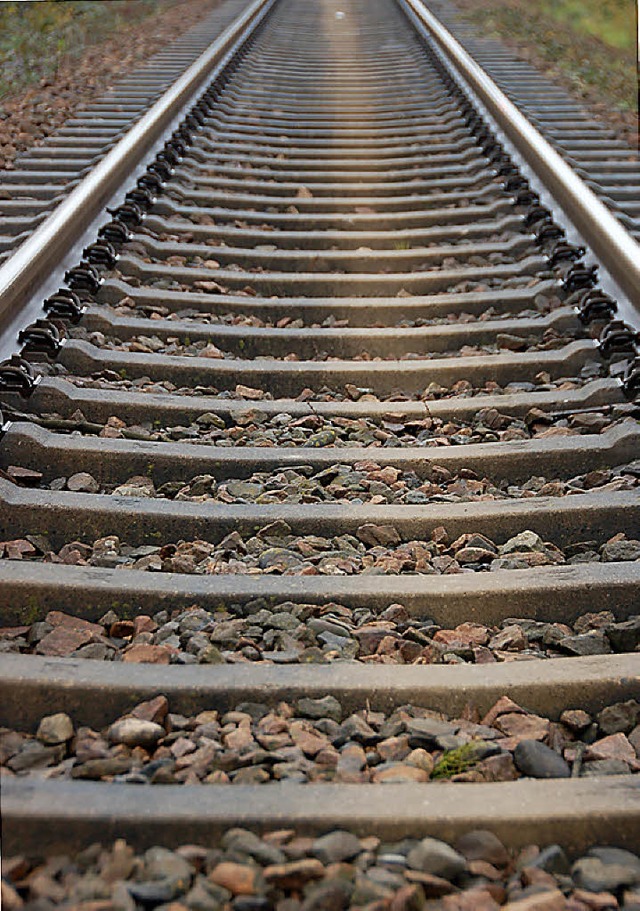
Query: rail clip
(579, 277)
(594, 305)
(17, 375)
(42, 337)
(618, 337)
(631, 379)
(83, 277)
(101, 253)
(65, 305)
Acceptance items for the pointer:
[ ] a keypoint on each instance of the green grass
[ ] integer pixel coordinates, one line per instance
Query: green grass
(591, 42)
(610, 21)
(454, 762)
(36, 36)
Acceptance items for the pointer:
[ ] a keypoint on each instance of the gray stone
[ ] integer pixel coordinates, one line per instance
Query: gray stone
(252, 903)
(38, 631)
(621, 551)
(282, 620)
(606, 870)
(508, 563)
(155, 893)
(347, 647)
(395, 861)
(537, 760)
(437, 858)
(160, 863)
(552, 860)
(245, 489)
(257, 710)
(249, 843)
(385, 877)
(55, 729)
(481, 844)
(356, 728)
(598, 767)
(609, 855)
(96, 651)
(525, 542)
(424, 732)
(320, 625)
(592, 643)
(326, 707)
(279, 556)
(201, 896)
(368, 890)
(329, 895)
(82, 482)
(209, 655)
(121, 900)
(135, 732)
(335, 847)
(619, 718)
(625, 636)
(35, 755)
(89, 888)
(449, 742)
(95, 769)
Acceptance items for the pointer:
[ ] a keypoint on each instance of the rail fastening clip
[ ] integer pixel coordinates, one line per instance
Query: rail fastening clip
(17, 375)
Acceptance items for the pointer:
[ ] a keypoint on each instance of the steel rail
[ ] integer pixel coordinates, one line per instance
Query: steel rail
(21, 275)
(608, 239)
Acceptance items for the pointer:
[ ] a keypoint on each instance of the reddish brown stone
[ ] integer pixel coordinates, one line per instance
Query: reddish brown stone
(26, 476)
(400, 773)
(144, 624)
(147, 654)
(13, 632)
(10, 899)
(503, 706)
(371, 636)
(473, 900)
(410, 651)
(374, 535)
(239, 739)
(523, 727)
(535, 876)
(152, 710)
(63, 641)
(408, 898)
(59, 619)
(295, 874)
(432, 886)
(239, 879)
(596, 901)
(575, 719)
(16, 550)
(615, 746)
(553, 900)
(122, 629)
(498, 768)
(394, 747)
(484, 869)
(308, 741)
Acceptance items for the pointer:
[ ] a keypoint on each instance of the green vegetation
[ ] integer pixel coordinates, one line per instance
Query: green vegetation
(611, 21)
(36, 36)
(454, 762)
(590, 42)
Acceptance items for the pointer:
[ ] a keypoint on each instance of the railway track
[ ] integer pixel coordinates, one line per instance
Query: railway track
(43, 176)
(608, 165)
(319, 504)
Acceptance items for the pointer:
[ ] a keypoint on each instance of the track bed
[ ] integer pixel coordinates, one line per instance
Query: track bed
(325, 519)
